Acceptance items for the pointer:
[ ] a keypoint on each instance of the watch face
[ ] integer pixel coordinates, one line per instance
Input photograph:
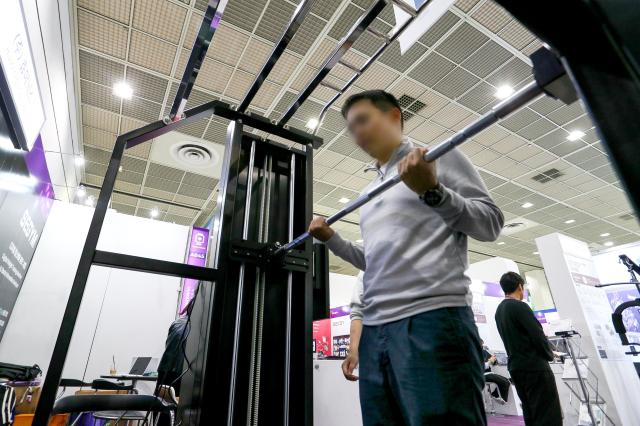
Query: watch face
(432, 197)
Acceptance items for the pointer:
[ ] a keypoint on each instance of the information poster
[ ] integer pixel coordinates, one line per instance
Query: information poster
(23, 217)
(322, 339)
(196, 256)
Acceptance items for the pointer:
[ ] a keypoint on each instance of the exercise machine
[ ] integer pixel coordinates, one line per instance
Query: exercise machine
(616, 316)
(248, 354)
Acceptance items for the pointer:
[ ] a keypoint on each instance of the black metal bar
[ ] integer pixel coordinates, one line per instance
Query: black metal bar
(223, 110)
(342, 48)
(604, 63)
(56, 365)
(154, 266)
(201, 44)
(143, 197)
(294, 24)
(320, 281)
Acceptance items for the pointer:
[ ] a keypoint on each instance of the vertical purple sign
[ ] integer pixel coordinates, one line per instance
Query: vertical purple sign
(196, 256)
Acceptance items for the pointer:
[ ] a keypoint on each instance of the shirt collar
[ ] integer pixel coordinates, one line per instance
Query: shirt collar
(401, 150)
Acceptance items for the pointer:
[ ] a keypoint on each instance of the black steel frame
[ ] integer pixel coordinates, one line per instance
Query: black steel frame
(215, 316)
(91, 256)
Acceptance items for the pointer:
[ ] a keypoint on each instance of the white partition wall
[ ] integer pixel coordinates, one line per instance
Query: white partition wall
(571, 275)
(489, 271)
(123, 313)
(336, 400)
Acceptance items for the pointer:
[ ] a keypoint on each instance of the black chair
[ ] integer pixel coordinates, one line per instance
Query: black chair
(118, 407)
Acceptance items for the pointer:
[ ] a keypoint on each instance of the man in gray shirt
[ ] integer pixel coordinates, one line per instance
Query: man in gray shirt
(420, 354)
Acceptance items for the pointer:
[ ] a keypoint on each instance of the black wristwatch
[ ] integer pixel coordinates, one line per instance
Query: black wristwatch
(433, 197)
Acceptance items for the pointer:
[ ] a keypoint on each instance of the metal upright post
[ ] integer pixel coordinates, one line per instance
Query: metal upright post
(70, 316)
(583, 386)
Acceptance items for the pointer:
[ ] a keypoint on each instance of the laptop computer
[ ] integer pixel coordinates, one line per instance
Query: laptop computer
(501, 358)
(143, 365)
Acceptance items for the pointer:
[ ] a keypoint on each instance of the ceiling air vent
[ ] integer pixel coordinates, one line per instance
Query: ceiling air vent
(547, 175)
(410, 106)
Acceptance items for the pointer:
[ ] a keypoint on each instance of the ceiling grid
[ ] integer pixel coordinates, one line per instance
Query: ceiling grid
(447, 80)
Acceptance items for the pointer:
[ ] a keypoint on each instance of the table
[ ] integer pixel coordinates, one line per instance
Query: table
(133, 377)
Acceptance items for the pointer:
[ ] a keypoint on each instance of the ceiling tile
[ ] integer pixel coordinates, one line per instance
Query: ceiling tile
(150, 52)
(160, 18)
(101, 34)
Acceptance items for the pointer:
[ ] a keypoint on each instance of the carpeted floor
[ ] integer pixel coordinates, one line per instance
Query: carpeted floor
(505, 420)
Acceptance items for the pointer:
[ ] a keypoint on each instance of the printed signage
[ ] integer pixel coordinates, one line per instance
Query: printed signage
(23, 218)
(196, 256)
(18, 79)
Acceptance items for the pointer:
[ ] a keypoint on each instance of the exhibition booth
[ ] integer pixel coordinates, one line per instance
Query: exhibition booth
(563, 297)
(108, 246)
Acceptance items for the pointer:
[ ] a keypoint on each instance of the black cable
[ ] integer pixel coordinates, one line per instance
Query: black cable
(183, 343)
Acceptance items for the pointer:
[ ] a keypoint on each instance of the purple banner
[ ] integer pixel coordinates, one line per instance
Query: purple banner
(340, 311)
(37, 166)
(492, 289)
(196, 256)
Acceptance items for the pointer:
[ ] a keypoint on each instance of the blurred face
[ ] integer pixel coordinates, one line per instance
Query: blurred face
(377, 132)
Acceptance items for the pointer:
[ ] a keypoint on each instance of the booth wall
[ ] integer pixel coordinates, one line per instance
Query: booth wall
(340, 289)
(336, 400)
(123, 314)
(491, 270)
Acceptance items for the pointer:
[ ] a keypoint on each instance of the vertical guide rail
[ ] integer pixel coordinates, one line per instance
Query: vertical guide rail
(61, 348)
(241, 282)
(287, 379)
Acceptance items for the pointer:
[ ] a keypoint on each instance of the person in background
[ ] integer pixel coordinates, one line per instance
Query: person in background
(419, 353)
(351, 362)
(502, 393)
(529, 354)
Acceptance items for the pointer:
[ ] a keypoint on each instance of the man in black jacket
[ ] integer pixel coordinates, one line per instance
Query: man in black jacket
(529, 354)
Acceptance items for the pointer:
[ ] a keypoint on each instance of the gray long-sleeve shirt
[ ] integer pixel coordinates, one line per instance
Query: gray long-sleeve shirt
(414, 257)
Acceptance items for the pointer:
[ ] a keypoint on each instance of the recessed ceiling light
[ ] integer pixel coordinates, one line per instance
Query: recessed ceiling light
(154, 213)
(79, 161)
(89, 201)
(608, 243)
(122, 90)
(359, 241)
(569, 221)
(120, 169)
(81, 192)
(312, 123)
(504, 91)
(606, 234)
(527, 205)
(535, 252)
(501, 243)
(343, 200)
(575, 135)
